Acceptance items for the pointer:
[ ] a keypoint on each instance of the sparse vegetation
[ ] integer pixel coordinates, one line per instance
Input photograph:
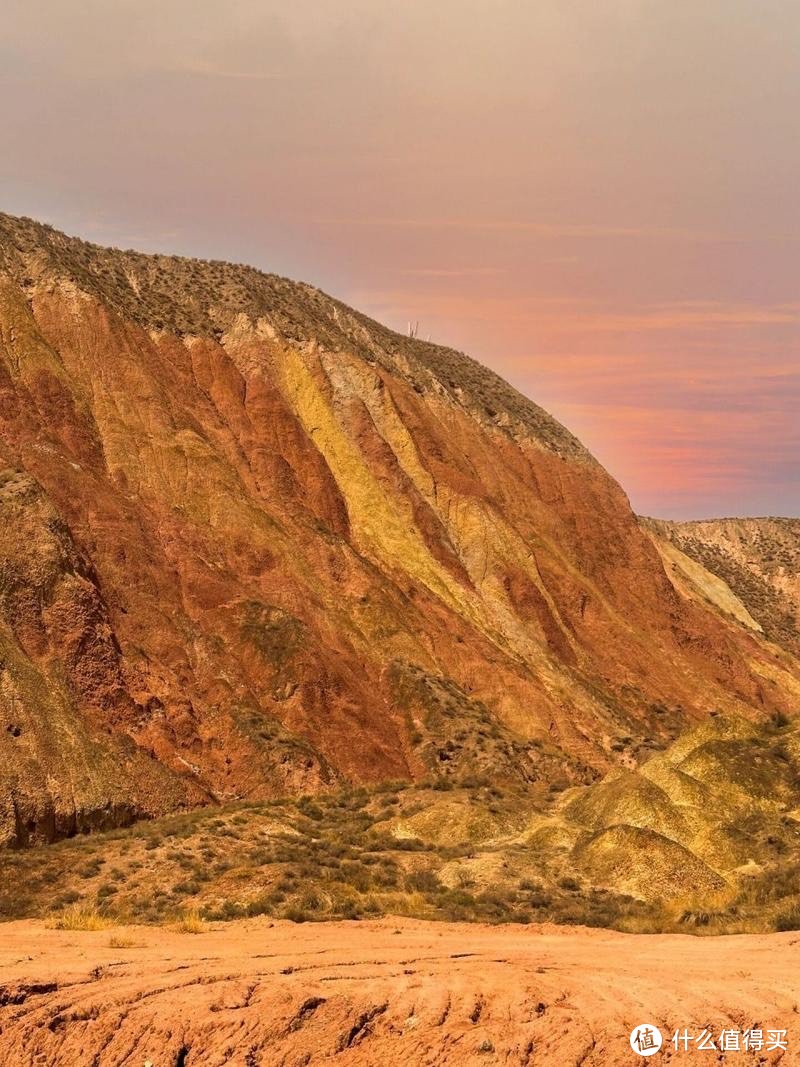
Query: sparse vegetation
(82, 917)
(191, 922)
(753, 557)
(202, 298)
(123, 941)
(475, 852)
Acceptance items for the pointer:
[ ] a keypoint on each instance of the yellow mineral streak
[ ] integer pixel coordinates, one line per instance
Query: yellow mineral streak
(692, 580)
(381, 521)
(485, 543)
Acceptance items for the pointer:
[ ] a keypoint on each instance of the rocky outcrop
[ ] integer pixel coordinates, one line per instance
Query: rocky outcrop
(65, 767)
(255, 543)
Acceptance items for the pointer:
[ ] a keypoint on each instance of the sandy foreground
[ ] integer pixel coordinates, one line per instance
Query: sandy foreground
(392, 991)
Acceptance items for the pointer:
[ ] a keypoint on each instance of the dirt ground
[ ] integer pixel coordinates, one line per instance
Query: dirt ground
(259, 993)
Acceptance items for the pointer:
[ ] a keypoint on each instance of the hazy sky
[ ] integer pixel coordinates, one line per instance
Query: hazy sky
(598, 198)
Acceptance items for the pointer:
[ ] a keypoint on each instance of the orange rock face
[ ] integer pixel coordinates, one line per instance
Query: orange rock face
(253, 543)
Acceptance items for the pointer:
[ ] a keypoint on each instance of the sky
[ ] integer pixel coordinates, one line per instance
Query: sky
(597, 198)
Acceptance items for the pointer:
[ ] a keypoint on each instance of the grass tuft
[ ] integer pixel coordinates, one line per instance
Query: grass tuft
(123, 941)
(82, 917)
(191, 922)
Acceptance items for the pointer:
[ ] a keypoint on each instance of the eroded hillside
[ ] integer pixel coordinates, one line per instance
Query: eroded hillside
(704, 836)
(252, 543)
(758, 559)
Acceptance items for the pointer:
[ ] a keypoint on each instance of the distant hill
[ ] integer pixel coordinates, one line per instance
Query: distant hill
(759, 559)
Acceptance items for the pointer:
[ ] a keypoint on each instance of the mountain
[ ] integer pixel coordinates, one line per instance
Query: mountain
(759, 561)
(253, 543)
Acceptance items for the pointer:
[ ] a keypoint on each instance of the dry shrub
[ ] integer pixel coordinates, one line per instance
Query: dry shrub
(123, 941)
(82, 917)
(191, 922)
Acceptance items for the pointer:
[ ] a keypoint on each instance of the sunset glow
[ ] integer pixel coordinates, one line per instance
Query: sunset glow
(597, 200)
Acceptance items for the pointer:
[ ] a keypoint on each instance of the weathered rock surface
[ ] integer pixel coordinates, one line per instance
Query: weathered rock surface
(254, 994)
(253, 543)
